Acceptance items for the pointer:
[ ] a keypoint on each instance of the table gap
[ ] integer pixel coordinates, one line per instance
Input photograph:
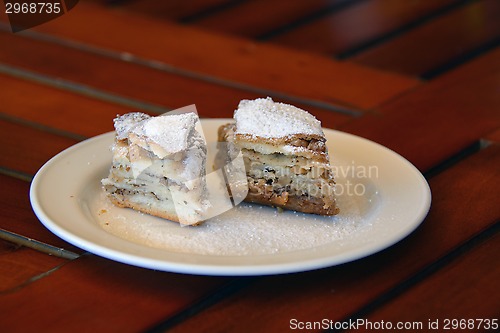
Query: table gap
(32, 279)
(81, 89)
(441, 40)
(20, 274)
(307, 19)
(460, 60)
(454, 159)
(192, 18)
(401, 30)
(41, 127)
(232, 287)
(16, 174)
(37, 245)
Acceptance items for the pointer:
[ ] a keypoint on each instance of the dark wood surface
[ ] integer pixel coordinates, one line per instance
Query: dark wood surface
(420, 77)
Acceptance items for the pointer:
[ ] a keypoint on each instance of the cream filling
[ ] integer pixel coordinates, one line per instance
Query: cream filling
(167, 179)
(268, 149)
(283, 160)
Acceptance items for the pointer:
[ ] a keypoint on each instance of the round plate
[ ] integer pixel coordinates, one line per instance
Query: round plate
(382, 198)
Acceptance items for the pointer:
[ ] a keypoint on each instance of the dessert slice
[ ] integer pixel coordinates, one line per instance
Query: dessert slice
(285, 155)
(158, 166)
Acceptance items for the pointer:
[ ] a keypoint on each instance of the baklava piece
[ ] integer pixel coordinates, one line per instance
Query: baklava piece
(158, 166)
(285, 155)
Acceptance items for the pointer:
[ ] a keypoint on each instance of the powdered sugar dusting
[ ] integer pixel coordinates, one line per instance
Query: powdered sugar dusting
(265, 118)
(171, 132)
(126, 123)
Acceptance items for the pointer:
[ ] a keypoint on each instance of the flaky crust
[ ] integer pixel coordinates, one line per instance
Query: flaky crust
(296, 140)
(305, 204)
(311, 146)
(224, 131)
(122, 202)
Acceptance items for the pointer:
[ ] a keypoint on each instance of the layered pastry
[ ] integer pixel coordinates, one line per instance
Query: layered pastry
(285, 155)
(158, 166)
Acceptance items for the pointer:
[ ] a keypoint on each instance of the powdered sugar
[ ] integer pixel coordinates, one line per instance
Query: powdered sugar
(126, 123)
(171, 132)
(265, 118)
(247, 229)
(165, 135)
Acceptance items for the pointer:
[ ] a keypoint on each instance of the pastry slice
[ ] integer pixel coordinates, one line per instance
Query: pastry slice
(285, 155)
(158, 166)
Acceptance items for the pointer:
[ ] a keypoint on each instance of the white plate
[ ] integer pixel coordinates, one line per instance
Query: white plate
(382, 198)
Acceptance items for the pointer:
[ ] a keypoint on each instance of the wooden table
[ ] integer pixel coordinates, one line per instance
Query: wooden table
(420, 77)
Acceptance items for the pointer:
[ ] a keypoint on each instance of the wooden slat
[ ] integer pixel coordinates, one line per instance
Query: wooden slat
(19, 265)
(469, 285)
(440, 41)
(26, 149)
(441, 118)
(263, 66)
(461, 208)
(357, 25)
(17, 216)
(131, 81)
(55, 108)
(259, 17)
(94, 294)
